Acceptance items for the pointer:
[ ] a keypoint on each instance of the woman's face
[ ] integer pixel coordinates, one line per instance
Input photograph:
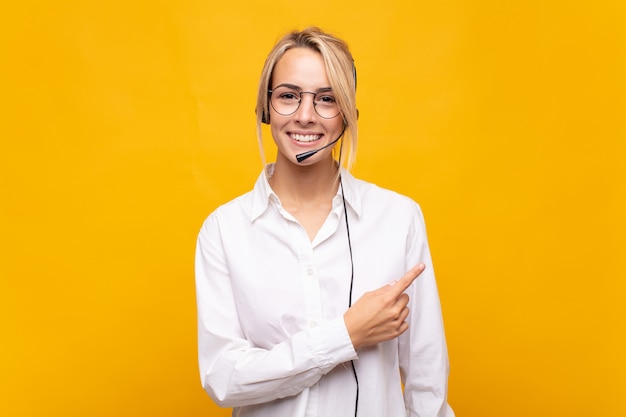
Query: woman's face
(304, 130)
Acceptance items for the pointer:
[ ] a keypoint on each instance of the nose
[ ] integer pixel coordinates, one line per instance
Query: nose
(306, 110)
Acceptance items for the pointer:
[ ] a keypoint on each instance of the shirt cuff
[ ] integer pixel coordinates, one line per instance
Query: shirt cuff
(331, 344)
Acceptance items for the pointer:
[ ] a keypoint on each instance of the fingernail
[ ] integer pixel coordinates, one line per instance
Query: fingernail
(422, 267)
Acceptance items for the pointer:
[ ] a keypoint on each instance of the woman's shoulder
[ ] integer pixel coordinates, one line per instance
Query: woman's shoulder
(370, 192)
(234, 210)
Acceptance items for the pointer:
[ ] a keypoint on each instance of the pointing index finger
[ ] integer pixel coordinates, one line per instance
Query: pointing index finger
(407, 279)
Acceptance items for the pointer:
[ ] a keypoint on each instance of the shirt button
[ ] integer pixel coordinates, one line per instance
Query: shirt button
(313, 324)
(309, 272)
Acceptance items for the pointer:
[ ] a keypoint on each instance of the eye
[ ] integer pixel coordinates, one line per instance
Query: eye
(325, 98)
(288, 96)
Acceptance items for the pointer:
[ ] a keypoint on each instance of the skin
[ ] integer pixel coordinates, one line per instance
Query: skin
(306, 190)
(380, 315)
(303, 68)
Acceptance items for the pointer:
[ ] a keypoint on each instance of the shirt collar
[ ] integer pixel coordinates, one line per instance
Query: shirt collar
(350, 191)
(263, 193)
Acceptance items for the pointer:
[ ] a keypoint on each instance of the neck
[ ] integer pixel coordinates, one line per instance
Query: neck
(305, 184)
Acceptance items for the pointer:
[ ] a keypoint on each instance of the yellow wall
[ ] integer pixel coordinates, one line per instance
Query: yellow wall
(124, 123)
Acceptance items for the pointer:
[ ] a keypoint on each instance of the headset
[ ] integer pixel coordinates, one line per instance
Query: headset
(301, 157)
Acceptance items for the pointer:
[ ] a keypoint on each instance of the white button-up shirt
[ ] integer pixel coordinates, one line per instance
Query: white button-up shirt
(272, 339)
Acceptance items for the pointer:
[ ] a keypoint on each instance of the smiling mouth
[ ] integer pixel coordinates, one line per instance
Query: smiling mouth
(304, 138)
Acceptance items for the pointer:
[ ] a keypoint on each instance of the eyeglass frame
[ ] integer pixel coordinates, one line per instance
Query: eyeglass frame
(300, 92)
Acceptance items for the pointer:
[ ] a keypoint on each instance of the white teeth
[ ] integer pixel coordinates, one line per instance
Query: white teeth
(305, 138)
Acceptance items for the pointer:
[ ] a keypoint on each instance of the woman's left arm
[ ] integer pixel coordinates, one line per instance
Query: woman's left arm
(422, 349)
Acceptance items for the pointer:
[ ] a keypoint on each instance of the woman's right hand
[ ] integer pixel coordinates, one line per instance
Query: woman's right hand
(380, 315)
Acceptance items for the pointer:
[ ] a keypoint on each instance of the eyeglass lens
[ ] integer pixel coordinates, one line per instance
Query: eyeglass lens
(286, 100)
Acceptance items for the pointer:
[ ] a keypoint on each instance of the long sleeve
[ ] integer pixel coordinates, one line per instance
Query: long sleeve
(234, 371)
(422, 349)
(272, 341)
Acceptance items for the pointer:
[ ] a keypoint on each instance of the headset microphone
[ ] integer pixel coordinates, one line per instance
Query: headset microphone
(304, 155)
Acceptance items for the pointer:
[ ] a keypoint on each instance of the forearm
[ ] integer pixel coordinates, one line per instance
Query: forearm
(237, 374)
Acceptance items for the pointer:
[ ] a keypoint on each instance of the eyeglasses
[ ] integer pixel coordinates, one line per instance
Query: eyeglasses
(285, 100)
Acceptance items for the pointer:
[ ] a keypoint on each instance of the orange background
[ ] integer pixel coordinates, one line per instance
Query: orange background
(124, 123)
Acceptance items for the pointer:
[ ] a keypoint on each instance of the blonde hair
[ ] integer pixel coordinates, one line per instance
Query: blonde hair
(341, 73)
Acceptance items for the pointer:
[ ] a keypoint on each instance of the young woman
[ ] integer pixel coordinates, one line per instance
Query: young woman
(315, 290)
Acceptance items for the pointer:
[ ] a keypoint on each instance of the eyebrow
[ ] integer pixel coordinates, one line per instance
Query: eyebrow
(295, 87)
